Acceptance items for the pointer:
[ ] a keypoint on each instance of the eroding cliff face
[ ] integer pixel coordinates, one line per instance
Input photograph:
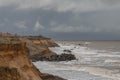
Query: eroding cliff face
(14, 56)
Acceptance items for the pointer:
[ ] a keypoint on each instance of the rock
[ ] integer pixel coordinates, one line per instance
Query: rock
(51, 77)
(62, 57)
(67, 51)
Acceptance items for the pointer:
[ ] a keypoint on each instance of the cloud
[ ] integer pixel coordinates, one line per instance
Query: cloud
(68, 28)
(21, 24)
(98, 22)
(8, 2)
(38, 26)
(62, 5)
(69, 5)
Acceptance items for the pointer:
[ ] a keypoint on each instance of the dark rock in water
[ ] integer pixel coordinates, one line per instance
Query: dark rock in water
(62, 57)
(80, 44)
(68, 51)
(51, 77)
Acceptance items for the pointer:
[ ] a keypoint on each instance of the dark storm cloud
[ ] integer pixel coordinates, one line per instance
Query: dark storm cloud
(66, 19)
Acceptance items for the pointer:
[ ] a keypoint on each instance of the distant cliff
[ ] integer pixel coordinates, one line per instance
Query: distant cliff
(42, 41)
(36, 50)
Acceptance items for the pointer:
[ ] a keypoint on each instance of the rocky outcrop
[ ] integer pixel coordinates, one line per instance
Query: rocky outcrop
(36, 50)
(50, 77)
(62, 57)
(43, 53)
(16, 65)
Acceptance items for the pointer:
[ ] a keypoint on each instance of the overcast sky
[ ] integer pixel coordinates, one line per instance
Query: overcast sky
(62, 19)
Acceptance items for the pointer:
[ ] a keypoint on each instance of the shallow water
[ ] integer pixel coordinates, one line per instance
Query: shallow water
(92, 63)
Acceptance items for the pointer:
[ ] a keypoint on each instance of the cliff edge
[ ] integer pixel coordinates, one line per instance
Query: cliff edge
(42, 41)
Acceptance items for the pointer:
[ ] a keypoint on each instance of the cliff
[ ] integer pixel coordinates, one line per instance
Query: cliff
(14, 56)
(14, 63)
(36, 50)
(40, 51)
(42, 41)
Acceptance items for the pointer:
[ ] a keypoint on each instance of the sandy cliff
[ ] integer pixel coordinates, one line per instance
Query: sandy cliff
(14, 56)
(15, 64)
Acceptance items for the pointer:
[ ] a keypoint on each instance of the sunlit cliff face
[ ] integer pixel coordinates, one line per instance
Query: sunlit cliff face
(14, 56)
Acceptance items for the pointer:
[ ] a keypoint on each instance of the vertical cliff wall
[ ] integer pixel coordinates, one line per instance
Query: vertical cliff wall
(13, 55)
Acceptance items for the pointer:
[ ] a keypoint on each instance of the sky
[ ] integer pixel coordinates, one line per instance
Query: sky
(62, 19)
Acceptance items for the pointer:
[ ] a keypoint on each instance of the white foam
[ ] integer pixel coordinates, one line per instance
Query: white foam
(109, 60)
(102, 72)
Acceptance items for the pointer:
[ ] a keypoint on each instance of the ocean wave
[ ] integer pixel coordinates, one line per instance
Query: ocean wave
(91, 64)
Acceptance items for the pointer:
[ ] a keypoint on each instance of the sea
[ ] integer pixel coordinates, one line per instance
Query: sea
(95, 60)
